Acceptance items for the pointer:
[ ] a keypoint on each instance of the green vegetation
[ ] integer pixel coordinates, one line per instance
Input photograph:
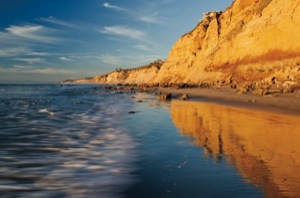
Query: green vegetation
(158, 63)
(119, 69)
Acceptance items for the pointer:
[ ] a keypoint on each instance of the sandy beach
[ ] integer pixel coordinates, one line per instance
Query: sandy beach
(283, 103)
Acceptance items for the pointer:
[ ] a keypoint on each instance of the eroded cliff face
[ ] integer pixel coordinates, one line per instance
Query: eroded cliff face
(131, 76)
(263, 146)
(253, 44)
(249, 41)
(141, 75)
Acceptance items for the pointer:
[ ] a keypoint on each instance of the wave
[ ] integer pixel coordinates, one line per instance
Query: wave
(81, 150)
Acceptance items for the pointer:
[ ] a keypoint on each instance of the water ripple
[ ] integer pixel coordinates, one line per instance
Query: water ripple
(62, 143)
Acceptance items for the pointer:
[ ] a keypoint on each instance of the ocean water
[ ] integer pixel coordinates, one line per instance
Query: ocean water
(64, 142)
(80, 141)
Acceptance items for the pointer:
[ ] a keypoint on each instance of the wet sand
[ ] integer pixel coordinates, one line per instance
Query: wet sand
(263, 146)
(282, 103)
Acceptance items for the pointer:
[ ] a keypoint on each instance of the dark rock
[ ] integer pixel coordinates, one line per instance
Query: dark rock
(165, 96)
(176, 86)
(243, 90)
(185, 97)
(131, 112)
(259, 91)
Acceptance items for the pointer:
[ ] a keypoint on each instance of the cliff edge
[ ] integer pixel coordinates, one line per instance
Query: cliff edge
(252, 45)
(251, 41)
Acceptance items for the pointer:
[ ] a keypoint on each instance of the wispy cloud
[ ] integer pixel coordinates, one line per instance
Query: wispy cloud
(30, 60)
(23, 67)
(114, 7)
(16, 35)
(50, 71)
(142, 47)
(59, 22)
(38, 54)
(34, 70)
(151, 17)
(110, 59)
(124, 31)
(12, 52)
(63, 58)
(29, 32)
(148, 14)
(22, 51)
(122, 60)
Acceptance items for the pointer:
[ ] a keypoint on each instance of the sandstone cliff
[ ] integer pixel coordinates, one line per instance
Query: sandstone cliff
(253, 44)
(141, 75)
(249, 41)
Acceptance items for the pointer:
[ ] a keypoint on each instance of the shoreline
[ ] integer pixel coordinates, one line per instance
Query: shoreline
(284, 103)
(288, 103)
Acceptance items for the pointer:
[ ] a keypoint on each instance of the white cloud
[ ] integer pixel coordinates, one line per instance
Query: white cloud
(149, 19)
(148, 13)
(21, 51)
(11, 52)
(24, 52)
(107, 5)
(110, 59)
(31, 70)
(38, 54)
(126, 60)
(142, 47)
(24, 31)
(23, 67)
(30, 60)
(18, 34)
(124, 31)
(33, 32)
(65, 58)
(50, 71)
(59, 22)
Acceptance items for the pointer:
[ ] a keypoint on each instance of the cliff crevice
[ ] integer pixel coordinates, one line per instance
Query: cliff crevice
(247, 38)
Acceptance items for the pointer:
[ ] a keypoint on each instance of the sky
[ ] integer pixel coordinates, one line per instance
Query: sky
(54, 40)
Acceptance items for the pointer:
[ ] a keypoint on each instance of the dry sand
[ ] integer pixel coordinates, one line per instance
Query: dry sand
(283, 103)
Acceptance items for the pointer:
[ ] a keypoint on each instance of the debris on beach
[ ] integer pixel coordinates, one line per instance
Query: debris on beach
(185, 97)
(165, 97)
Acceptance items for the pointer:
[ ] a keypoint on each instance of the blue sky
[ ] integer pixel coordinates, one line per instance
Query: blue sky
(53, 40)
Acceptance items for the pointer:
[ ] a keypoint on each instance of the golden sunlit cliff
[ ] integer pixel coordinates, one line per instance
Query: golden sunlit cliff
(253, 44)
(249, 41)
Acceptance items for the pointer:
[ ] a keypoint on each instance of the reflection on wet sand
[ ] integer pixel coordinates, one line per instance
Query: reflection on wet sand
(263, 146)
